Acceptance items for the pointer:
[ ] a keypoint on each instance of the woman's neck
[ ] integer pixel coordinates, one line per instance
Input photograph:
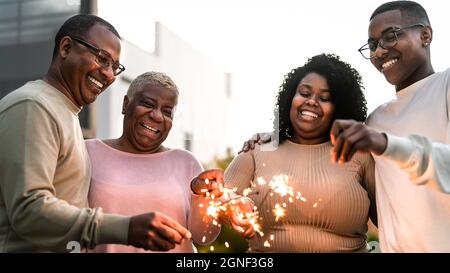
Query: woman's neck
(123, 145)
(312, 141)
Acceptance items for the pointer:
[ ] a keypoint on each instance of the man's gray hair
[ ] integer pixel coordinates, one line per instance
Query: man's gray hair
(151, 78)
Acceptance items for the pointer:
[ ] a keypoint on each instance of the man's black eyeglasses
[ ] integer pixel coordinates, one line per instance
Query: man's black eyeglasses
(101, 57)
(388, 40)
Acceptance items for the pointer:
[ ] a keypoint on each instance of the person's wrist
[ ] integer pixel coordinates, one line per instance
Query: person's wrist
(381, 143)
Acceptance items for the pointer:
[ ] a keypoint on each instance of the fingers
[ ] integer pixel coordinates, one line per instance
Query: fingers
(175, 230)
(155, 231)
(342, 144)
(338, 126)
(209, 182)
(246, 231)
(238, 217)
(213, 174)
(245, 148)
(349, 137)
(157, 243)
(252, 145)
(238, 228)
(245, 205)
(216, 189)
(259, 138)
(249, 233)
(167, 233)
(164, 228)
(359, 140)
(242, 226)
(266, 137)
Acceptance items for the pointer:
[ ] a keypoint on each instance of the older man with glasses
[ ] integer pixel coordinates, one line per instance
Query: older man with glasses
(409, 136)
(103, 58)
(45, 169)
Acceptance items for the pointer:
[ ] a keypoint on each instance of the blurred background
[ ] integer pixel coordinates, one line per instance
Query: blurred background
(228, 58)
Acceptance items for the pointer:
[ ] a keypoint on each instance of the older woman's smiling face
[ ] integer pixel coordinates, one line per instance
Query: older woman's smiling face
(148, 118)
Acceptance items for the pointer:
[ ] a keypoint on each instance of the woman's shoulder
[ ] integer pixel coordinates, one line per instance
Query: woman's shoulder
(183, 154)
(92, 143)
(362, 158)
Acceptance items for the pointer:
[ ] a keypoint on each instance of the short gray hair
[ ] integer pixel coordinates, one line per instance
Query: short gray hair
(151, 78)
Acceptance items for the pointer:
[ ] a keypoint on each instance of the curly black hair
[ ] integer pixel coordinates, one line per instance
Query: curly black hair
(345, 86)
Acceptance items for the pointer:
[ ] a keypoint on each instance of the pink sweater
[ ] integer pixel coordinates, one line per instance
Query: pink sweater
(131, 184)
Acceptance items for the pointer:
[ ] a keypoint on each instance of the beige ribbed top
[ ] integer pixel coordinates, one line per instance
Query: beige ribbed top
(332, 211)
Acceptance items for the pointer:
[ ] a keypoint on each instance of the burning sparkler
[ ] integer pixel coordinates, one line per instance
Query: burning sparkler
(231, 202)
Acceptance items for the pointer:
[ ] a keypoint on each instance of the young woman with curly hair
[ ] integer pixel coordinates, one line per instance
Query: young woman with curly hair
(305, 202)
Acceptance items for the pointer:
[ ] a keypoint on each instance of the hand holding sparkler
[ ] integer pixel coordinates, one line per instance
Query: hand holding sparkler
(350, 136)
(242, 216)
(220, 201)
(208, 183)
(156, 231)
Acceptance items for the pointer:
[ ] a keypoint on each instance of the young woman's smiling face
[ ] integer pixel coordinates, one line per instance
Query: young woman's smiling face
(311, 110)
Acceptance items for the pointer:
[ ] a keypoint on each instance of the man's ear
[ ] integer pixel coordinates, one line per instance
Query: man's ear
(426, 35)
(65, 46)
(125, 104)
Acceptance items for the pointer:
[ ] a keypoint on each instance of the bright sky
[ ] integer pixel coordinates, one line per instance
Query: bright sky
(259, 41)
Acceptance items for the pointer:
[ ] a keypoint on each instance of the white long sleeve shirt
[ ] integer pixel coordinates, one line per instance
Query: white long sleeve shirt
(413, 174)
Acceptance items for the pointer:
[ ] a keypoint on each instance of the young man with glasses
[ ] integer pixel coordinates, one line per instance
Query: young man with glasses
(44, 166)
(409, 136)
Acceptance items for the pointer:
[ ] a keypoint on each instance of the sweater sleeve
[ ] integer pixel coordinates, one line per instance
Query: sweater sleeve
(425, 162)
(204, 232)
(240, 173)
(29, 159)
(369, 185)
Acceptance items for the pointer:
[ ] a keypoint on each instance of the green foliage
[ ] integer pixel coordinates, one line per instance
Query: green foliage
(223, 163)
(236, 243)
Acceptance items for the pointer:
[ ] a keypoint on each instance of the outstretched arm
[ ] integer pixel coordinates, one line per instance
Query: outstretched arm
(425, 162)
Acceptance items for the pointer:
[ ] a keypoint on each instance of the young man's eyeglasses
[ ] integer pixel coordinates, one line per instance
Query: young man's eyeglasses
(388, 40)
(102, 58)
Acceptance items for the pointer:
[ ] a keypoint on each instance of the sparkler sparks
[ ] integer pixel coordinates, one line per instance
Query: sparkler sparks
(317, 203)
(231, 202)
(279, 212)
(246, 192)
(260, 181)
(279, 184)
